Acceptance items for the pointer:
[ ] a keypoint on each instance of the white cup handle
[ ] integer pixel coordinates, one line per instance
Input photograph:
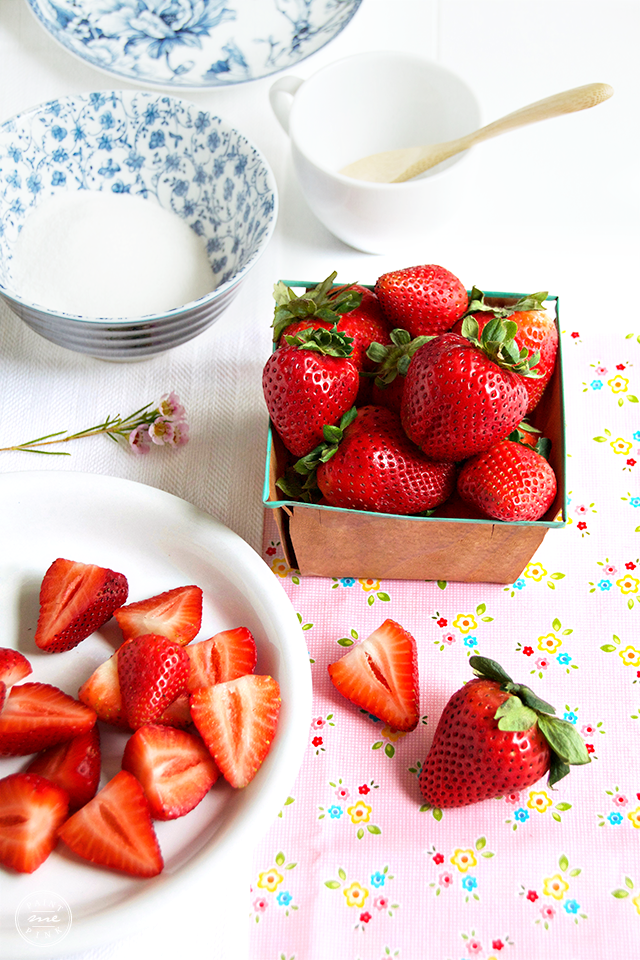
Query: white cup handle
(281, 98)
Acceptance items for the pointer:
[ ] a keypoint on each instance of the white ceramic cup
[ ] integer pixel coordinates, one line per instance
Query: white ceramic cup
(365, 104)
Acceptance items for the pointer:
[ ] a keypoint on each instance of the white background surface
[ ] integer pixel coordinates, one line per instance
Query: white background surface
(552, 207)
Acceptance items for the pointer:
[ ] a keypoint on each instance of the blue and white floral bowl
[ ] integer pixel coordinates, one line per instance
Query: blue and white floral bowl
(164, 150)
(187, 44)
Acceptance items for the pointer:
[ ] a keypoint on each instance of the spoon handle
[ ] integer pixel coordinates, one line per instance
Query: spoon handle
(578, 98)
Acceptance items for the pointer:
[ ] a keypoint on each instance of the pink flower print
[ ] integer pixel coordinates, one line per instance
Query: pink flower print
(441, 622)
(438, 858)
(548, 912)
(497, 945)
(512, 798)
(260, 905)
(318, 723)
(317, 741)
(532, 895)
(620, 800)
(448, 638)
(542, 663)
(610, 570)
(342, 793)
(365, 917)
(601, 371)
(588, 730)
(474, 947)
(139, 440)
(364, 789)
(445, 879)
(381, 903)
(581, 510)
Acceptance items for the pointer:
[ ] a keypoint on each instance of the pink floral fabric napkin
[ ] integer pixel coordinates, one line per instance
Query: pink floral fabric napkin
(355, 868)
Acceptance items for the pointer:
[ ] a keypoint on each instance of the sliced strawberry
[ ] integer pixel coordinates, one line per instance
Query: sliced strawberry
(177, 714)
(101, 692)
(73, 765)
(3, 693)
(174, 767)
(14, 666)
(76, 599)
(115, 829)
(176, 614)
(153, 672)
(380, 675)
(226, 656)
(237, 721)
(36, 716)
(31, 811)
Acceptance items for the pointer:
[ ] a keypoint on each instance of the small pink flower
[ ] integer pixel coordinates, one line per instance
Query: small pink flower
(620, 799)
(364, 789)
(582, 509)
(139, 440)
(542, 663)
(161, 431)
(381, 903)
(445, 879)
(548, 912)
(601, 371)
(342, 793)
(170, 407)
(318, 723)
(512, 798)
(448, 638)
(588, 729)
(180, 434)
(474, 947)
(610, 570)
(260, 905)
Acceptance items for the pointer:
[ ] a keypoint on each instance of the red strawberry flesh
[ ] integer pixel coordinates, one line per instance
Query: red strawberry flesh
(152, 673)
(176, 614)
(14, 666)
(73, 765)
(31, 811)
(226, 656)
(36, 716)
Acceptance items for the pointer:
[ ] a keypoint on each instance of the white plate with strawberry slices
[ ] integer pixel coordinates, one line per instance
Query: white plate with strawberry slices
(158, 542)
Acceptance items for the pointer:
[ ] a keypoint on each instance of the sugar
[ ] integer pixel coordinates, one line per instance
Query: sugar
(107, 255)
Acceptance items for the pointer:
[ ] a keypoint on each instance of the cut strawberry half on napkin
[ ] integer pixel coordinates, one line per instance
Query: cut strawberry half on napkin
(31, 811)
(76, 599)
(176, 614)
(380, 675)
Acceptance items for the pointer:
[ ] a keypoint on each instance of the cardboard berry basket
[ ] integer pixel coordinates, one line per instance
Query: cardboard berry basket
(333, 542)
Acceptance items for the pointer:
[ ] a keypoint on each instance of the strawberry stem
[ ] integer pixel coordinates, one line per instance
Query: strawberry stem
(323, 301)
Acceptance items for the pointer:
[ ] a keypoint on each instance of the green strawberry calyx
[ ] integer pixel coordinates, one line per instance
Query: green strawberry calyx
(324, 301)
(331, 343)
(542, 446)
(497, 341)
(393, 359)
(478, 304)
(291, 483)
(524, 708)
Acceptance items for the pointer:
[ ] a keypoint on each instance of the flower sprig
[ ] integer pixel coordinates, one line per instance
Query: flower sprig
(162, 424)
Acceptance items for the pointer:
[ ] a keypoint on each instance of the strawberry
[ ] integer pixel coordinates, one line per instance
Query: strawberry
(14, 666)
(462, 394)
(537, 333)
(226, 656)
(152, 673)
(307, 384)
(380, 675)
(355, 310)
(115, 829)
(376, 467)
(36, 716)
(176, 614)
(174, 768)
(31, 810)
(101, 692)
(509, 481)
(391, 362)
(424, 300)
(73, 765)
(76, 599)
(3, 694)
(496, 737)
(237, 721)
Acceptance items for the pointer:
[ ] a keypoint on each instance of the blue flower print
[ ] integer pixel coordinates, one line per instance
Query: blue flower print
(284, 898)
(636, 435)
(563, 658)
(605, 585)
(347, 582)
(635, 501)
(521, 814)
(572, 906)
(571, 717)
(519, 584)
(377, 879)
(470, 642)
(596, 384)
(614, 818)
(335, 812)
(469, 883)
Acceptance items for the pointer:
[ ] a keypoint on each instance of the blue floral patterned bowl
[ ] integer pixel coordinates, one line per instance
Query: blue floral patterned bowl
(186, 44)
(164, 150)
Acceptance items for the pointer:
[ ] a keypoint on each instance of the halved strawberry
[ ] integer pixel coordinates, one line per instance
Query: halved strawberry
(174, 767)
(226, 656)
(31, 810)
(177, 714)
(76, 599)
(14, 666)
(152, 672)
(237, 721)
(3, 693)
(101, 692)
(38, 715)
(380, 675)
(176, 614)
(73, 765)
(115, 829)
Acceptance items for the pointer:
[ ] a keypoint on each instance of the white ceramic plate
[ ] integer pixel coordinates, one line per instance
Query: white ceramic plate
(158, 541)
(192, 44)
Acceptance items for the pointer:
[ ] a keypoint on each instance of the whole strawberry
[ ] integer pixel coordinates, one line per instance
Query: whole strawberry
(424, 300)
(509, 481)
(307, 384)
(537, 332)
(376, 467)
(464, 393)
(496, 737)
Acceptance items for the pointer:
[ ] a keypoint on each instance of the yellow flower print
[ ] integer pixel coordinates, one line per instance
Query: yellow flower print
(620, 446)
(269, 880)
(634, 816)
(539, 800)
(463, 859)
(618, 384)
(630, 656)
(534, 571)
(393, 735)
(465, 622)
(555, 887)
(636, 902)
(550, 643)
(628, 584)
(368, 584)
(280, 567)
(360, 812)
(355, 894)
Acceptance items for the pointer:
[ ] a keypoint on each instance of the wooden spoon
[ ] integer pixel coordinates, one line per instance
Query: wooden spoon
(396, 166)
